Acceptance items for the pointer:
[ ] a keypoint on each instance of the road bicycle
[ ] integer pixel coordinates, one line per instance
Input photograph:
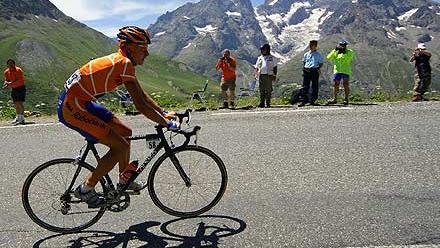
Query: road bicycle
(185, 181)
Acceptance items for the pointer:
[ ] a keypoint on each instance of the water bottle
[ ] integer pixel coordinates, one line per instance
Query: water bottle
(129, 171)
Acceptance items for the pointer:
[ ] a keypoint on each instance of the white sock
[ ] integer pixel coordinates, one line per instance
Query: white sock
(84, 188)
(20, 117)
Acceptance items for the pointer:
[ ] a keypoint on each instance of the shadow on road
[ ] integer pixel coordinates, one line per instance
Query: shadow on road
(201, 231)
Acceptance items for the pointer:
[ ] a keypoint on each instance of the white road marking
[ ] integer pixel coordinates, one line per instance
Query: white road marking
(282, 111)
(400, 246)
(30, 125)
(227, 113)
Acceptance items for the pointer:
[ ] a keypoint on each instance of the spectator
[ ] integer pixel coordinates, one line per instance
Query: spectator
(343, 58)
(422, 71)
(266, 72)
(312, 63)
(14, 79)
(228, 66)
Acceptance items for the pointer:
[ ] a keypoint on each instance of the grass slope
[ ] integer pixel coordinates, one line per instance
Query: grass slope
(49, 50)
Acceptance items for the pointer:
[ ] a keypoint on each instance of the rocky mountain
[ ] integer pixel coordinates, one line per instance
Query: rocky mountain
(196, 33)
(382, 32)
(49, 46)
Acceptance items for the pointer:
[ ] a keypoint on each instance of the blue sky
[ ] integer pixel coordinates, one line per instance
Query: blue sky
(107, 16)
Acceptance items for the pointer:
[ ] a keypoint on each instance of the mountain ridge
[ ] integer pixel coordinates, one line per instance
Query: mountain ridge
(383, 31)
(49, 46)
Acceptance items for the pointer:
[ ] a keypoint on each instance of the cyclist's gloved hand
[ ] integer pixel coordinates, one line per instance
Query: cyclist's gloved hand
(173, 125)
(168, 114)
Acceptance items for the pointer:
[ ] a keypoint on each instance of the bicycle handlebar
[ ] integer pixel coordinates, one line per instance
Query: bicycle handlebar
(180, 118)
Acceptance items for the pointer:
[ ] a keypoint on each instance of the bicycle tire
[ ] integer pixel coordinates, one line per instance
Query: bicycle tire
(30, 210)
(159, 164)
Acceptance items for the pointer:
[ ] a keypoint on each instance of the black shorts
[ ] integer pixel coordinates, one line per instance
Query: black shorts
(18, 94)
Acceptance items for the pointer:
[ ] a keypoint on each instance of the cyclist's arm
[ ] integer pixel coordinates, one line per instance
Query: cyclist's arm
(147, 108)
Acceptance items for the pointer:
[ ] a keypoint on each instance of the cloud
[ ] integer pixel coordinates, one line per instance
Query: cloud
(85, 10)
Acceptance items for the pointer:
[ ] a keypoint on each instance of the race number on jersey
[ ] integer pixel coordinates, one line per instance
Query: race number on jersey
(76, 76)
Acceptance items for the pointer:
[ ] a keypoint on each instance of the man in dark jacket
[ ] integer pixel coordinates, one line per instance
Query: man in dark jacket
(422, 71)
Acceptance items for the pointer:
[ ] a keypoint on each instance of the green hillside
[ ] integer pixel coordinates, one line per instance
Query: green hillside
(50, 46)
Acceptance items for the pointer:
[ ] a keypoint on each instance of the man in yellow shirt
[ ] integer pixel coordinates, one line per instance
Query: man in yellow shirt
(343, 58)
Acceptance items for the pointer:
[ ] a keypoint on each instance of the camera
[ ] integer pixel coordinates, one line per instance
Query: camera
(225, 59)
(340, 49)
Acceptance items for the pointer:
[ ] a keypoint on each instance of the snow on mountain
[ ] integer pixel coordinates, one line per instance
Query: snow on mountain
(205, 30)
(407, 15)
(290, 31)
(159, 34)
(229, 13)
(273, 2)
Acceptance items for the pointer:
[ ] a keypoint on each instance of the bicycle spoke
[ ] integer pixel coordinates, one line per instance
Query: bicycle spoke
(186, 200)
(59, 171)
(58, 180)
(180, 194)
(51, 186)
(201, 196)
(204, 183)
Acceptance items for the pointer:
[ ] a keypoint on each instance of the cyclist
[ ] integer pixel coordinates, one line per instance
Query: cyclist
(78, 110)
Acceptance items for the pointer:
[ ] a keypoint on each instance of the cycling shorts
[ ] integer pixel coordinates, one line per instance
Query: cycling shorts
(86, 117)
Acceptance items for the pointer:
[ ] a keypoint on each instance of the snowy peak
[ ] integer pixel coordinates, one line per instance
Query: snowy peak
(217, 24)
(290, 25)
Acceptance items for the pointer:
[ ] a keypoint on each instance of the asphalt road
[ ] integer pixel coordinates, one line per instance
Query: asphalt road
(360, 176)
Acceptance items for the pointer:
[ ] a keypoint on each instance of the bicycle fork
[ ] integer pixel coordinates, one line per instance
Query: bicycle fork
(181, 171)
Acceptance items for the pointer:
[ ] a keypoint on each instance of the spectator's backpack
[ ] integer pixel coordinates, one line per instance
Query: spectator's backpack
(296, 96)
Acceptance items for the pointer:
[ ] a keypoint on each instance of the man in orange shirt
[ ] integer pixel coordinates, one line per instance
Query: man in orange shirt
(228, 65)
(78, 110)
(14, 79)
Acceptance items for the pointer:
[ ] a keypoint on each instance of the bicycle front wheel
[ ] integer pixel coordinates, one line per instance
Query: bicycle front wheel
(46, 203)
(207, 181)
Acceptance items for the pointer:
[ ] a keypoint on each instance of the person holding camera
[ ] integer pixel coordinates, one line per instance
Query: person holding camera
(228, 65)
(312, 63)
(266, 72)
(422, 71)
(343, 58)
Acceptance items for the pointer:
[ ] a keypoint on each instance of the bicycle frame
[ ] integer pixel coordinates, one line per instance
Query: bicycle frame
(162, 145)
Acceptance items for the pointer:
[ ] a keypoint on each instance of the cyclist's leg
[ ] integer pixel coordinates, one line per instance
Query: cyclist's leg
(123, 130)
(117, 154)
(115, 139)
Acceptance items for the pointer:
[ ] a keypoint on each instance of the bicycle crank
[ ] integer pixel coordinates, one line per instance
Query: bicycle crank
(117, 201)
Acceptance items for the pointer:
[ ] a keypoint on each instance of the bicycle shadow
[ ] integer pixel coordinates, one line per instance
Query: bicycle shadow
(201, 231)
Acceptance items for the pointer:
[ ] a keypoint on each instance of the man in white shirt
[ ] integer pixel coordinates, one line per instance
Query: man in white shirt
(266, 72)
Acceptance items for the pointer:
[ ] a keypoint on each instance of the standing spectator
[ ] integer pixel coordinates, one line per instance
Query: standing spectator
(266, 71)
(14, 79)
(343, 58)
(312, 63)
(422, 71)
(228, 66)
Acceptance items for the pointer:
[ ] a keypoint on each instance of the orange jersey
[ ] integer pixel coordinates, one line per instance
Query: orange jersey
(228, 74)
(100, 76)
(15, 76)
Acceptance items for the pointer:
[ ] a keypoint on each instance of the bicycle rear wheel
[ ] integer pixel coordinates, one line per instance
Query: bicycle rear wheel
(45, 202)
(208, 180)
